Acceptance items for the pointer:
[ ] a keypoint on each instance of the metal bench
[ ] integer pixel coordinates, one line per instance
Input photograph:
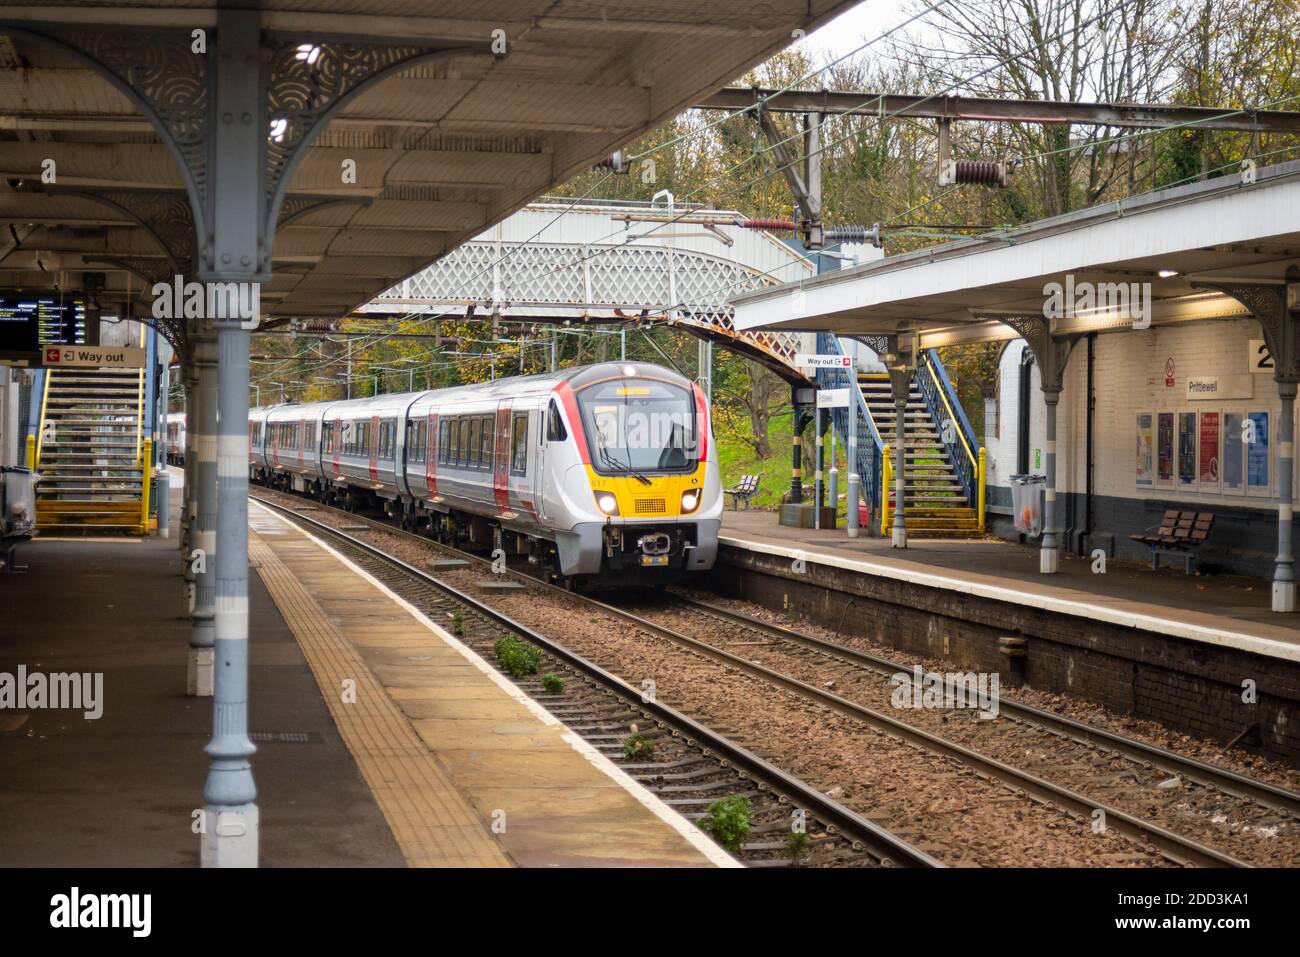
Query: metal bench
(743, 490)
(1181, 535)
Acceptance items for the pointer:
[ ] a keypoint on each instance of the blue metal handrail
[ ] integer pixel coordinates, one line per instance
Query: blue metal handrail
(959, 440)
(868, 464)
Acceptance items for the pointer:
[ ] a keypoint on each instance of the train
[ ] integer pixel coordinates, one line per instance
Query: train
(604, 473)
(176, 438)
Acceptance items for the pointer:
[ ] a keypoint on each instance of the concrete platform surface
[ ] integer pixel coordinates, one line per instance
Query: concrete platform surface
(1218, 609)
(120, 791)
(444, 739)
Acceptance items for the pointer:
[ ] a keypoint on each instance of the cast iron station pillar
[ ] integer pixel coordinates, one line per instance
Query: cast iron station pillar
(1277, 308)
(1051, 351)
(202, 426)
(900, 364)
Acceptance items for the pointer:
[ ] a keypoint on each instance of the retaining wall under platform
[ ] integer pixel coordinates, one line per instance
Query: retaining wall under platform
(1193, 686)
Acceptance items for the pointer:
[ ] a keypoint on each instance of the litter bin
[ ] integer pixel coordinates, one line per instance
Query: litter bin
(1027, 494)
(17, 501)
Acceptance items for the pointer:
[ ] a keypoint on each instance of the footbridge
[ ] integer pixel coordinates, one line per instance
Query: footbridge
(558, 260)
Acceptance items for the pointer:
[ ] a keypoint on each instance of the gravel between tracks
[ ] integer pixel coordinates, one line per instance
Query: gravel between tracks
(931, 801)
(1238, 826)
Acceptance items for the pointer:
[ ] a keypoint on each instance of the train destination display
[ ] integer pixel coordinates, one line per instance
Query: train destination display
(30, 323)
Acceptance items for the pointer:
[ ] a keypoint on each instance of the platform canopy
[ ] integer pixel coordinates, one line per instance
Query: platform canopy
(442, 148)
(1222, 231)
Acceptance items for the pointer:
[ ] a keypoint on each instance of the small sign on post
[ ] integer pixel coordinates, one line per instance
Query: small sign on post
(832, 398)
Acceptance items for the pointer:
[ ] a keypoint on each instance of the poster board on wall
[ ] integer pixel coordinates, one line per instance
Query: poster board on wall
(1234, 454)
(1208, 450)
(1187, 472)
(1146, 450)
(1165, 449)
(1258, 449)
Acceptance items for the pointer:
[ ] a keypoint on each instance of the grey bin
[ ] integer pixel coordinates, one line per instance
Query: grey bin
(17, 501)
(1027, 494)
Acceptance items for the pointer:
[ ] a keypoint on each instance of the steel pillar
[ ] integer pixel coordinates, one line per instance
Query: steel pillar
(1277, 308)
(238, 253)
(201, 430)
(1051, 352)
(855, 480)
(900, 384)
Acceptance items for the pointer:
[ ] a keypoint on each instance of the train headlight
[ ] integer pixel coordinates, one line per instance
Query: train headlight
(607, 503)
(690, 499)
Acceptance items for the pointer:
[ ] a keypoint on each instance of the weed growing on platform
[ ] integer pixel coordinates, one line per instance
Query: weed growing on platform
(517, 658)
(728, 821)
(637, 745)
(553, 684)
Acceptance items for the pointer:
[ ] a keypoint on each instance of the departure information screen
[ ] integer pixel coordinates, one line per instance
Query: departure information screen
(28, 323)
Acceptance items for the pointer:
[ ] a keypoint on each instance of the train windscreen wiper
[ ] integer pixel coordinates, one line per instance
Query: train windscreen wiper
(617, 466)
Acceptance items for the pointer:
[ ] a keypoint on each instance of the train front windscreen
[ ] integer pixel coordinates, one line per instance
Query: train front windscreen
(638, 425)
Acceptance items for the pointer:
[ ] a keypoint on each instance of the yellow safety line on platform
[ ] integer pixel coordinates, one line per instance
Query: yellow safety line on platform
(431, 821)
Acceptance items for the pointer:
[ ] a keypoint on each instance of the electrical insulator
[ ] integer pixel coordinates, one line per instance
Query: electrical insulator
(975, 172)
(854, 234)
(618, 162)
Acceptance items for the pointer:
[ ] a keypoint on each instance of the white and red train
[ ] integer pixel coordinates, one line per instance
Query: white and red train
(605, 471)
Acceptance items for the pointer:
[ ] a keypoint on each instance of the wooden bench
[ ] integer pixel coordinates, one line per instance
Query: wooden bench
(1180, 534)
(743, 491)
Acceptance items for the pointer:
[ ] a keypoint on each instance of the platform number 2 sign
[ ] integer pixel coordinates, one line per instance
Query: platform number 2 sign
(1258, 357)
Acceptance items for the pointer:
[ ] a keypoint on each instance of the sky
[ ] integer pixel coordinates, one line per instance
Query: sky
(850, 29)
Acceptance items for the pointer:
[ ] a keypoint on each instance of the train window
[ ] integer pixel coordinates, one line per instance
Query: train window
(387, 428)
(444, 440)
(519, 443)
(555, 430)
(486, 443)
(472, 452)
(463, 457)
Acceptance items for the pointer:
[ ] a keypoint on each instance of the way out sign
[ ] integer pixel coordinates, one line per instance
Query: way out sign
(100, 357)
(817, 360)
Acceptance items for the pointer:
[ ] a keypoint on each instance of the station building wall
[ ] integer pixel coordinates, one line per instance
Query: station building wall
(1130, 378)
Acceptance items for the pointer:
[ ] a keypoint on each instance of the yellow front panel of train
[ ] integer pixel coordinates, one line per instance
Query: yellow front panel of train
(661, 499)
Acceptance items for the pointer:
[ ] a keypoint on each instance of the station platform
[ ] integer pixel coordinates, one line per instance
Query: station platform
(434, 749)
(1218, 609)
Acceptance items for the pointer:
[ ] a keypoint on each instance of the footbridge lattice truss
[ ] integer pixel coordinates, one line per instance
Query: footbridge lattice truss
(554, 261)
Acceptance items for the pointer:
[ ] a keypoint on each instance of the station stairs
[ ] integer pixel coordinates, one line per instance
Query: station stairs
(936, 504)
(90, 452)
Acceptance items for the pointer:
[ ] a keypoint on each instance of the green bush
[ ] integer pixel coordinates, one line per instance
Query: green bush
(457, 624)
(517, 657)
(637, 745)
(553, 684)
(728, 821)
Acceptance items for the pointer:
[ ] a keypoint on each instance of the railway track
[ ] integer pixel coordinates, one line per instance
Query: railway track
(695, 764)
(1175, 847)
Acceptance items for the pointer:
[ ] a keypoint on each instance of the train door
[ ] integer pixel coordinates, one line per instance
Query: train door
(431, 455)
(336, 443)
(501, 457)
(374, 449)
(540, 463)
